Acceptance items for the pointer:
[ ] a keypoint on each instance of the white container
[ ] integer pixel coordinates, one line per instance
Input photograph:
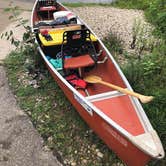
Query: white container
(67, 14)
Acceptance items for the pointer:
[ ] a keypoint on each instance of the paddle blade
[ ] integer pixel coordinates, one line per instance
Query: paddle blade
(92, 79)
(146, 99)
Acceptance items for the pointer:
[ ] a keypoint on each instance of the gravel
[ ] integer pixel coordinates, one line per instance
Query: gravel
(104, 20)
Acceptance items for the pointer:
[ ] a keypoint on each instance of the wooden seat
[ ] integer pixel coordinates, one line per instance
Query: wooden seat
(78, 62)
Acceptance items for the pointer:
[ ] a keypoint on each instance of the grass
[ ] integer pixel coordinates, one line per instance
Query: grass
(132, 4)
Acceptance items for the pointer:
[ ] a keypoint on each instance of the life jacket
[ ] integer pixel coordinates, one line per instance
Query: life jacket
(75, 81)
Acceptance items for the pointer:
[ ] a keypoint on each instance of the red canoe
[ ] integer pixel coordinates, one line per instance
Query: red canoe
(72, 51)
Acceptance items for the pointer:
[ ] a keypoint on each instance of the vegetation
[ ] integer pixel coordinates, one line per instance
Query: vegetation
(114, 43)
(156, 14)
(148, 76)
(132, 4)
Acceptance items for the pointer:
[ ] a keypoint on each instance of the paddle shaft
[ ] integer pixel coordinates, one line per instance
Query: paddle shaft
(96, 79)
(122, 90)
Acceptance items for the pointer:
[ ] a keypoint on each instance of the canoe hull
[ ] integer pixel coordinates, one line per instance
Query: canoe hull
(125, 150)
(120, 136)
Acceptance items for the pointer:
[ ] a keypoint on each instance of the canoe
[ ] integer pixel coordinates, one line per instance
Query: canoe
(71, 52)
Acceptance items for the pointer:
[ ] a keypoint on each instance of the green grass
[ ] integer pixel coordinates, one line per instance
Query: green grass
(132, 4)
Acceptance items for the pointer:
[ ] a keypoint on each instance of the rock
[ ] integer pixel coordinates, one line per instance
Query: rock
(84, 161)
(33, 82)
(100, 155)
(75, 152)
(36, 86)
(73, 164)
(50, 139)
(97, 150)
(93, 146)
(46, 149)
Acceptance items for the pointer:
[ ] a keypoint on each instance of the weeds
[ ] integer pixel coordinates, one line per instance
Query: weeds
(156, 14)
(132, 4)
(142, 38)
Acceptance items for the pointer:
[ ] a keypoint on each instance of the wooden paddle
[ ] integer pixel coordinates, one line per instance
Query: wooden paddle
(95, 79)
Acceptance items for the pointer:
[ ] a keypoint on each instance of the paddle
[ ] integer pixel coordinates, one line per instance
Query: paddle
(95, 79)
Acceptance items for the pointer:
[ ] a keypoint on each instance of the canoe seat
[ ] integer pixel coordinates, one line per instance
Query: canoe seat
(76, 42)
(78, 62)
